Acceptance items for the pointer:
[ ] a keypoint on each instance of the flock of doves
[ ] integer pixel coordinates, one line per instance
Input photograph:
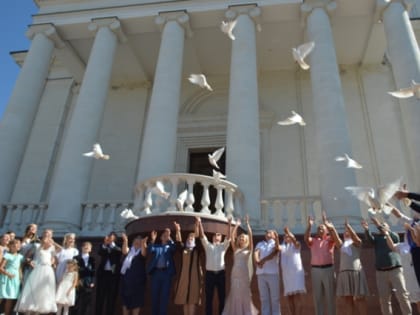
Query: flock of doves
(376, 198)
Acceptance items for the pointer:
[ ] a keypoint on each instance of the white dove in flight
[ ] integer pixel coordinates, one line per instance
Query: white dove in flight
(97, 153)
(218, 176)
(215, 157)
(227, 28)
(159, 190)
(350, 162)
(294, 119)
(128, 214)
(180, 201)
(376, 198)
(413, 90)
(301, 52)
(200, 80)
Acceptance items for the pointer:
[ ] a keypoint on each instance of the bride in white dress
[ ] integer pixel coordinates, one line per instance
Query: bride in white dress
(38, 294)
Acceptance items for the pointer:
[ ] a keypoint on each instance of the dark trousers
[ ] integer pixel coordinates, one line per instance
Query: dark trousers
(106, 292)
(415, 256)
(215, 280)
(161, 289)
(83, 304)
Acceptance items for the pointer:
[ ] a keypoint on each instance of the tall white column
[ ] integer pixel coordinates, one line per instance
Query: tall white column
(332, 132)
(243, 132)
(16, 124)
(159, 141)
(71, 176)
(404, 55)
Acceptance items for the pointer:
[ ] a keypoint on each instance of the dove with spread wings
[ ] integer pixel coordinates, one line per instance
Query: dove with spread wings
(128, 214)
(413, 90)
(215, 157)
(227, 28)
(301, 52)
(97, 153)
(376, 198)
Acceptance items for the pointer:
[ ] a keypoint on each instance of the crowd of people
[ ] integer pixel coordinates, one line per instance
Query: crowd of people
(39, 276)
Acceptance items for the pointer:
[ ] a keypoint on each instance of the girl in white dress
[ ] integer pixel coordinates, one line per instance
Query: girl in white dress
(38, 294)
(292, 272)
(68, 251)
(66, 291)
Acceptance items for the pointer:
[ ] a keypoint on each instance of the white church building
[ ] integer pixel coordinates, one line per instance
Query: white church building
(115, 72)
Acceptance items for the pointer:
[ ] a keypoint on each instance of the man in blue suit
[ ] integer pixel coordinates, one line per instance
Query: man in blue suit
(161, 269)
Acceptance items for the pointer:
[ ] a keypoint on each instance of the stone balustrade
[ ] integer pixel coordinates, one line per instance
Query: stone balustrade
(100, 217)
(16, 216)
(228, 199)
(279, 212)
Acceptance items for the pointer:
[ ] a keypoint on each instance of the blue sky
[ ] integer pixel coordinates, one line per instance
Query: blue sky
(15, 18)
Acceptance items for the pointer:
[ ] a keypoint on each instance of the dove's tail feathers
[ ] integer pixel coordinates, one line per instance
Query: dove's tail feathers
(165, 195)
(340, 158)
(106, 157)
(89, 154)
(302, 123)
(304, 65)
(232, 37)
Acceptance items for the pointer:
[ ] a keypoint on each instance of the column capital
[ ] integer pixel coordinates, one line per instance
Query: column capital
(252, 10)
(49, 30)
(306, 8)
(382, 5)
(181, 17)
(114, 25)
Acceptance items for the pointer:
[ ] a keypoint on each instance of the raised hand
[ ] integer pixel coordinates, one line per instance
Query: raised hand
(364, 224)
(153, 236)
(310, 221)
(177, 226)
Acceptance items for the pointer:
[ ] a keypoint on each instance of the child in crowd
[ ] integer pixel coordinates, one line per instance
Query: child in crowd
(11, 275)
(66, 291)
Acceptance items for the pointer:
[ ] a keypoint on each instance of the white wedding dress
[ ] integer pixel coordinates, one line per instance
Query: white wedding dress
(38, 293)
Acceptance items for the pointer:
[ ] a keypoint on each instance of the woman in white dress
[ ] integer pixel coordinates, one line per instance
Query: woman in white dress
(68, 251)
(292, 272)
(38, 294)
(239, 300)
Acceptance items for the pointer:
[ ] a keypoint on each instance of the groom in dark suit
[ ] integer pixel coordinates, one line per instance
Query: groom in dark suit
(86, 281)
(107, 275)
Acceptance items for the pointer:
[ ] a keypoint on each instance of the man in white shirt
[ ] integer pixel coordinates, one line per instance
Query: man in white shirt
(266, 257)
(215, 267)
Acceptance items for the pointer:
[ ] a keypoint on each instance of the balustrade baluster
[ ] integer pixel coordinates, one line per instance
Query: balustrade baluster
(148, 202)
(205, 199)
(174, 195)
(190, 197)
(87, 217)
(219, 201)
(229, 207)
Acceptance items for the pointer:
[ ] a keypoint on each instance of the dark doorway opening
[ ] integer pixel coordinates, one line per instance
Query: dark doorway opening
(199, 164)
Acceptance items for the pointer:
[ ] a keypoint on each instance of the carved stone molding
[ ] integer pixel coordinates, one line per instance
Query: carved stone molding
(181, 17)
(48, 30)
(114, 25)
(252, 10)
(382, 5)
(306, 9)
